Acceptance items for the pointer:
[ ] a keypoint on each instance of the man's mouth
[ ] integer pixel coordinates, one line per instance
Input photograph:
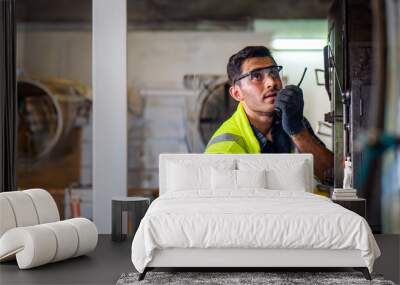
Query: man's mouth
(269, 95)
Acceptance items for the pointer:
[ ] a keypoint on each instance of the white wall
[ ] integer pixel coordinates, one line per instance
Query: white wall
(155, 59)
(65, 54)
(161, 59)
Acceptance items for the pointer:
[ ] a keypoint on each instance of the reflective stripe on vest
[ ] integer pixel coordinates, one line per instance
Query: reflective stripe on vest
(228, 137)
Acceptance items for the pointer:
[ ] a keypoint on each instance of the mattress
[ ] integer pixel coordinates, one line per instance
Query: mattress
(252, 219)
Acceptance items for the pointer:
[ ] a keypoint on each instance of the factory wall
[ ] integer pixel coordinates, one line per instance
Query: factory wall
(157, 61)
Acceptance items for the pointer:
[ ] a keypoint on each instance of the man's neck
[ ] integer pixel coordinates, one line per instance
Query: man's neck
(261, 121)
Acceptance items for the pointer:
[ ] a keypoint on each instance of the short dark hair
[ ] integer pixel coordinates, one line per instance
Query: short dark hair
(234, 66)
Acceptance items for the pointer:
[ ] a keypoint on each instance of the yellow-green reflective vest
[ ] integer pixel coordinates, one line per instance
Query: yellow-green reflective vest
(235, 135)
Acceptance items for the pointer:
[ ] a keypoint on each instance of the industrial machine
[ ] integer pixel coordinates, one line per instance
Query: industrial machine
(51, 114)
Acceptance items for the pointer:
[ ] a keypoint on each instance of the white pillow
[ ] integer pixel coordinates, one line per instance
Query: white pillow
(282, 174)
(181, 178)
(236, 179)
(223, 179)
(294, 178)
(251, 178)
(189, 175)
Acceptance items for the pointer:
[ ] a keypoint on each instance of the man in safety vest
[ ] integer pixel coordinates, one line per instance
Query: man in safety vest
(269, 118)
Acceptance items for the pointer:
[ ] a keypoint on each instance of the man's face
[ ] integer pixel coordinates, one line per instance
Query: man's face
(258, 95)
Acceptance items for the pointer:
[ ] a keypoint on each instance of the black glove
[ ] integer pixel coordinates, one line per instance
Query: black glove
(290, 103)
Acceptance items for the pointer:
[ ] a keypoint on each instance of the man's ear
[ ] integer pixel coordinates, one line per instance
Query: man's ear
(234, 91)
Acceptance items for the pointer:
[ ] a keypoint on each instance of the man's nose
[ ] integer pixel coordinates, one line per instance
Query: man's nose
(269, 82)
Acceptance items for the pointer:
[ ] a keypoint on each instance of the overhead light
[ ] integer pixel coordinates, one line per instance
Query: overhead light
(298, 44)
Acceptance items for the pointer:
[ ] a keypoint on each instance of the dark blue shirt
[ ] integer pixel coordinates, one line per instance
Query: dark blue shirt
(281, 141)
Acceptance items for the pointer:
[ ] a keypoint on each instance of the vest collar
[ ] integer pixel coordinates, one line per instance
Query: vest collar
(244, 126)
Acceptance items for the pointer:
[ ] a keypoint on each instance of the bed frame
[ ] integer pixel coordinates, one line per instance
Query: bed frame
(240, 259)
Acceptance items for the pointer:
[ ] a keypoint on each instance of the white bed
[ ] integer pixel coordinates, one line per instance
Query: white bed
(194, 223)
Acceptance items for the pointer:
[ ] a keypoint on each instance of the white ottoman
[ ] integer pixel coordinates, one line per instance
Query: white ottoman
(31, 232)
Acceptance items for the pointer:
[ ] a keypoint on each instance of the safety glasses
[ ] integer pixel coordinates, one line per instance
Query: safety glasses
(258, 75)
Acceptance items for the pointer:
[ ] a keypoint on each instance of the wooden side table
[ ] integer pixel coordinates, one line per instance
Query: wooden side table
(358, 205)
(127, 212)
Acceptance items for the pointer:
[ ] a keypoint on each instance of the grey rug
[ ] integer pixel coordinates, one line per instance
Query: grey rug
(226, 278)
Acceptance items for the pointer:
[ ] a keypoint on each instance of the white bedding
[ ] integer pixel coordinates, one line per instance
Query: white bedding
(251, 218)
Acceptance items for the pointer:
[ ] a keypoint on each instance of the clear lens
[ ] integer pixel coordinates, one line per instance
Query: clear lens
(274, 73)
(259, 75)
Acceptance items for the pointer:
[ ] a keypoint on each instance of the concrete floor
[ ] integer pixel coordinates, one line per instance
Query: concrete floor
(102, 266)
(111, 259)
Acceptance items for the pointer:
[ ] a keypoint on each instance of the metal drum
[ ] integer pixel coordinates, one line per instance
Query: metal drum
(47, 112)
